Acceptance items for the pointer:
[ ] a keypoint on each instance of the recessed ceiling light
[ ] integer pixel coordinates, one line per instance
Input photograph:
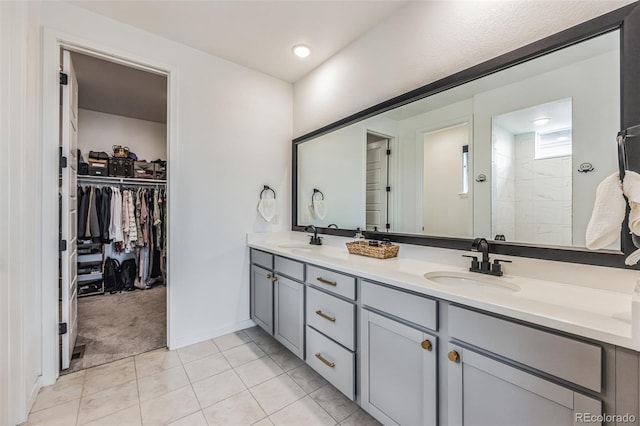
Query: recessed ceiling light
(541, 121)
(301, 51)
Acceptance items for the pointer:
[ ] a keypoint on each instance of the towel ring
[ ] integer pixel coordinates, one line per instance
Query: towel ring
(622, 154)
(267, 188)
(316, 191)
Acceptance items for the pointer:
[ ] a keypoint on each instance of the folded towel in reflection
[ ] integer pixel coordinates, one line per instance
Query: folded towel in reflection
(631, 189)
(633, 258)
(267, 208)
(607, 215)
(319, 209)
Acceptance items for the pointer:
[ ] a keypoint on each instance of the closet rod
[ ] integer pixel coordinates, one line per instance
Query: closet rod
(120, 180)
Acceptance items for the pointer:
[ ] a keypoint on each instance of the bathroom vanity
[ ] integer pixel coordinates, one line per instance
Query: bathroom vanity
(416, 342)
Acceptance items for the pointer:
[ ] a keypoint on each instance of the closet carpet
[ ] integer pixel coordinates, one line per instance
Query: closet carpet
(116, 326)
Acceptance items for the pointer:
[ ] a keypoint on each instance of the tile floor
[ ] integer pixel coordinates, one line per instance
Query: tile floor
(243, 378)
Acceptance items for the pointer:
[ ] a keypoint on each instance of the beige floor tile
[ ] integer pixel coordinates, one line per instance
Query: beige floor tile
(258, 335)
(61, 415)
(156, 361)
(334, 402)
(264, 422)
(128, 417)
(231, 340)
(195, 419)
(160, 383)
(219, 387)
(239, 410)
(277, 393)
(271, 346)
(197, 351)
(109, 375)
(169, 407)
(258, 371)
(206, 367)
(106, 402)
(243, 354)
(307, 378)
(303, 412)
(286, 360)
(67, 388)
(360, 418)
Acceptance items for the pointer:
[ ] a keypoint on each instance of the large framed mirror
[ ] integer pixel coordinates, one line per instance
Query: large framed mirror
(511, 150)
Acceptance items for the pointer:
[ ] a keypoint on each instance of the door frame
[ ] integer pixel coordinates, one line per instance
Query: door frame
(53, 41)
(392, 174)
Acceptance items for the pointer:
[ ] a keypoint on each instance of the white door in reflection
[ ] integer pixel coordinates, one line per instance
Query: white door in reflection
(377, 182)
(446, 205)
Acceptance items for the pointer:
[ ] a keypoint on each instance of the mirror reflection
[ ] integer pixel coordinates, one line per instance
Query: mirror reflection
(515, 155)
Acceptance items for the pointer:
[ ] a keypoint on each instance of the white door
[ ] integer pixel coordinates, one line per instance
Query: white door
(69, 211)
(377, 178)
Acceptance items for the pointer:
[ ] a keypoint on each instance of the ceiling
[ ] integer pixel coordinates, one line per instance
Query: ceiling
(256, 34)
(117, 89)
(518, 122)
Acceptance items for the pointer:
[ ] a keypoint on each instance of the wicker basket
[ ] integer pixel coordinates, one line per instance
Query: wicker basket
(379, 252)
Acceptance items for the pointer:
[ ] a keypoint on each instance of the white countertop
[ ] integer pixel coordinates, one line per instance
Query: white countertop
(594, 313)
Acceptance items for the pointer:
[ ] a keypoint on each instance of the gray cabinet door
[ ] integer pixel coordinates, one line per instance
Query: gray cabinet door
(398, 372)
(262, 298)
(289, 314)
(484, 391)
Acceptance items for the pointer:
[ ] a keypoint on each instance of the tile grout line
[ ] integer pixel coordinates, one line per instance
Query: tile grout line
(135, 370)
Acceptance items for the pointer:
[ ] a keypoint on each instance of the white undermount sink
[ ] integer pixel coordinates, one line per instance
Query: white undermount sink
(294, 245)
(468, 279)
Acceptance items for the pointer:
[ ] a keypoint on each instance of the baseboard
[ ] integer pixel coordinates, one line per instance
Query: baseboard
(31, 399)
(212, 334)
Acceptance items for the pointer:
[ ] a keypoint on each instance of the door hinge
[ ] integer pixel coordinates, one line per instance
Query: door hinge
(388, 152)
(388, 189)
(63, 162)
(62, 328)
(64, 79)
(63, 245)
(388, 226)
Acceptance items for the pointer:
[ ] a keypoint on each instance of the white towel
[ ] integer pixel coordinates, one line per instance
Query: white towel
(608, 214)
(319, 209)
(631, 189)
(633, 258)
(267, 208)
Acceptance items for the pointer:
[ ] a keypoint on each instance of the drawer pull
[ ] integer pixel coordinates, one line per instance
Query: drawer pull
(325, 316)
(325, 361)
(322, 280)
(426, 345)
(273, 278)
(453, 356)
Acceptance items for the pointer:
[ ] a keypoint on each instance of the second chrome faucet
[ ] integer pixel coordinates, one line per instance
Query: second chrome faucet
(484, 266)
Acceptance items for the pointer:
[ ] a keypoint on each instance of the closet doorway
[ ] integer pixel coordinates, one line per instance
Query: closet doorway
(113, 211)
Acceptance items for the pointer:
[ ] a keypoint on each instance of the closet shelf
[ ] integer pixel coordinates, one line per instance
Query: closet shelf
(121, 180)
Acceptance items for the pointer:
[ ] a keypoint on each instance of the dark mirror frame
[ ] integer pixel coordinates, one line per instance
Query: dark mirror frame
(627, 20)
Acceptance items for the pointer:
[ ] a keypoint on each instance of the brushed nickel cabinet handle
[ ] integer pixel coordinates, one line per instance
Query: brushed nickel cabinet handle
(426, 345)
(322, 280)
(325, 316)
(325, 361)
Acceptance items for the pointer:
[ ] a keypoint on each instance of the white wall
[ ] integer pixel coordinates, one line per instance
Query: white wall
(425, 41)
(503, 207)
(20, 313)
(98, 131)
(230, 133)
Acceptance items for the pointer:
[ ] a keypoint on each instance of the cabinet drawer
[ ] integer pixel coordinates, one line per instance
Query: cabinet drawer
(410, 307)
(332, 316)
(290, 268)
(334, 282)
(262, 259)
(331, 361)
(572, 360)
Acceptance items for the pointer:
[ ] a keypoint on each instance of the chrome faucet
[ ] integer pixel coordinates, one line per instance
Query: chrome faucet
(484, 266)
(315, 240)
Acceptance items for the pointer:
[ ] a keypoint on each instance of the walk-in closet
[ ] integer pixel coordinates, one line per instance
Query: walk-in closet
(113, 211)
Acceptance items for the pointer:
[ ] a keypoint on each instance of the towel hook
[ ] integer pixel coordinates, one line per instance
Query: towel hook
(317, 191)
(622, 154)
(267, 188)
